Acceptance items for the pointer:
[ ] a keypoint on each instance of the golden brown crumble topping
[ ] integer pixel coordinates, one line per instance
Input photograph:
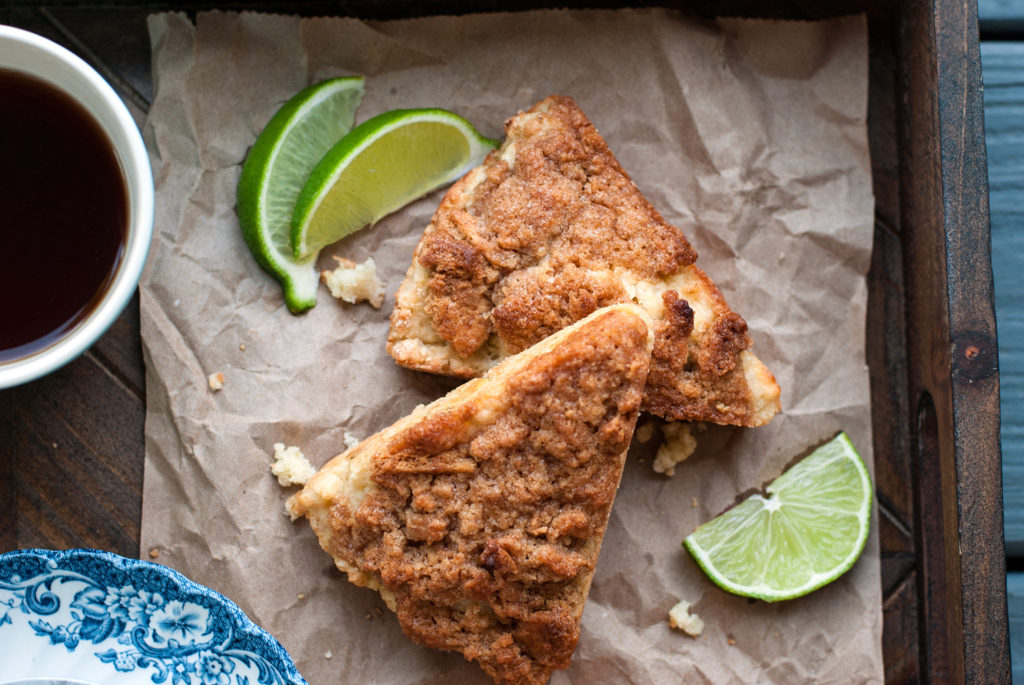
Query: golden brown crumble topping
(547, 230)
(486, 514)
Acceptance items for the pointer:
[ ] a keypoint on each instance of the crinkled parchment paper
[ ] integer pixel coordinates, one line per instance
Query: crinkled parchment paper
(748, 134)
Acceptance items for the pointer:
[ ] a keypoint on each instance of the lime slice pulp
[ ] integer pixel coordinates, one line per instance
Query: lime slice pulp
(381, 165)
(277, 166)
(807, 532)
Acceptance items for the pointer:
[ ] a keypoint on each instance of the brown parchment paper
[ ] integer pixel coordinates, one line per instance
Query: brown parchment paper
(752, 131)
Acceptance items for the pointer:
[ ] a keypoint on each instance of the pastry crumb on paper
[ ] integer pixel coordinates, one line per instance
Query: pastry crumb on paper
(680, 618)
(645, 431)
(676, 448)
(354, 283)
(215, 381)
(290, 465)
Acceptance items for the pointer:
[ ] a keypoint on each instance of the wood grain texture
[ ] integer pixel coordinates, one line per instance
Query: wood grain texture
(92, 479)
(921, 220)
(975, 367)
(951, 347)
(73, 459)
(8, 491)
(1004, 121)
(886, 353)
(900, 633)
(120, 49)
(71, 444)
(883, 132)
(886, 356)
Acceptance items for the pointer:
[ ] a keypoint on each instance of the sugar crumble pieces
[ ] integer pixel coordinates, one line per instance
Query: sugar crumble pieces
(354, 283)
(215, 381)
(680, 618)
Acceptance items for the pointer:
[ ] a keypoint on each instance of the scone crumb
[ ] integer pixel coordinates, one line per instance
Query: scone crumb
(154, 552)
(301, 595)
(328, 654)
(289, 509)
(242, 347)
(350, 440)
(369, 616)
(680, 618)
(354, 283)
(216, 381)
(677, 446)
(694, 503)
(290, 466)
(645, 431)
(731, 641)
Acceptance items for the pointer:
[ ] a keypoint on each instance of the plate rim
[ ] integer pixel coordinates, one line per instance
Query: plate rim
(271, 650)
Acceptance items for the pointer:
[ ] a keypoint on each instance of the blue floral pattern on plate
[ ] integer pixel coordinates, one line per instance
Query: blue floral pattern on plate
(137, 617)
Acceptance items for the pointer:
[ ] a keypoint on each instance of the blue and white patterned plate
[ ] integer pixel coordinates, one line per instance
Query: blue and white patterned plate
(96, 617)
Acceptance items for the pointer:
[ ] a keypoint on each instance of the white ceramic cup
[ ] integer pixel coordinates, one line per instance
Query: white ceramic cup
(29, 53)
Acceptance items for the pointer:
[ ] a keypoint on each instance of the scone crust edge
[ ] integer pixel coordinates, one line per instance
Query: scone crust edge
(549, 546)
(467, 277)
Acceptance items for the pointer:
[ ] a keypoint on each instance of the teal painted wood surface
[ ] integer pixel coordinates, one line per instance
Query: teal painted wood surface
(1003, 64)
(1002, 17)
(1015, 600)
(1000, 9)
(1003, 69)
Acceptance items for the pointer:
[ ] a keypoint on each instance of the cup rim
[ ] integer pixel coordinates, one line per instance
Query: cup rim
(138, 174)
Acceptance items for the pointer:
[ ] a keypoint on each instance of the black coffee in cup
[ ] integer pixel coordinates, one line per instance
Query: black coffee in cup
(64, 214)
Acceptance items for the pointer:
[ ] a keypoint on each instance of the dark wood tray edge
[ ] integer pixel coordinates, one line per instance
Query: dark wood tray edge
(953, 379)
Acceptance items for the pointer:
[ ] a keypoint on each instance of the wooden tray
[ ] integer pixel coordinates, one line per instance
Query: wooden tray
(71, 444)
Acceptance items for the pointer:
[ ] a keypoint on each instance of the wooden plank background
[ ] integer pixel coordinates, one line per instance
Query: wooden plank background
(55, 435)
(1002, 58)
(55, 452)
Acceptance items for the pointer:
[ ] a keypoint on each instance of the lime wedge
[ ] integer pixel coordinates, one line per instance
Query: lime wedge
(381, 165)
(807, 532)
(278, 164)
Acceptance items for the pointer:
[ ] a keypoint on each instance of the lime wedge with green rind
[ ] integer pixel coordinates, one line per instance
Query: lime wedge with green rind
(277, 166)
(380, 166)
(808, 530)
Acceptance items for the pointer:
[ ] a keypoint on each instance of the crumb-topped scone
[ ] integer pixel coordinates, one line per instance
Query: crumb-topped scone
(479, 517)
(548, 229)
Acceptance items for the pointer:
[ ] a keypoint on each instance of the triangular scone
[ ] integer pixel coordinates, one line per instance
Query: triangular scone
(479, 517)
(548, 229)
